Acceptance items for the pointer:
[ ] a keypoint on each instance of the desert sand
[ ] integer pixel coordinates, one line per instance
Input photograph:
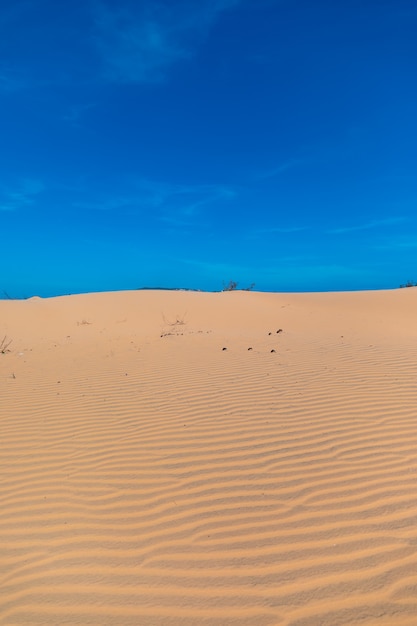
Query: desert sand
(169, 458)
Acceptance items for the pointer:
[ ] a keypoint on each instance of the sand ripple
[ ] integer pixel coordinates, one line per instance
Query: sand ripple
(162, 480)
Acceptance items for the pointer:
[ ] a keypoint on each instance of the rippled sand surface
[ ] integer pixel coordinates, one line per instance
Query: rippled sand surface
(169, 458)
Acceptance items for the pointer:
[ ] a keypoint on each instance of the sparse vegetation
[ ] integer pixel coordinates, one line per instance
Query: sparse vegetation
(232, 286)
(409, 283)
(179, 320)
(4, 345)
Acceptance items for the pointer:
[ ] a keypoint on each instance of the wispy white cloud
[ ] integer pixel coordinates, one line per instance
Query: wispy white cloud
(20, 196)
(278, 169)
(107, 203)
(389, 221)
(280, 230)
(134, 42)
(9, 82)
(166, 202)
(139, 42)
(187, 200)
(399, 243)
(15, 80)
(74, 113)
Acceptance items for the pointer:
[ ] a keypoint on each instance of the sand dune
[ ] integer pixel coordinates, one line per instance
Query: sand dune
(169, 458)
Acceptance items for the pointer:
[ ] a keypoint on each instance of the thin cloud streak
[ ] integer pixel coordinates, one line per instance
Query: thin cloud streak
(23, 195)
(167, 202)
(139, 46)
(390, 221)
(398, 244)
(180, 203)
(281, 231)
(14, 81)
(9, 83)
(75, 113)
(279, 169)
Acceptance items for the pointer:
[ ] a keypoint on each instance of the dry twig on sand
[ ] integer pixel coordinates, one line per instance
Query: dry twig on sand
(4, 345)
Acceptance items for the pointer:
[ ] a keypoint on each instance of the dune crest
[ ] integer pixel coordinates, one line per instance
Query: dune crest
(209, 458)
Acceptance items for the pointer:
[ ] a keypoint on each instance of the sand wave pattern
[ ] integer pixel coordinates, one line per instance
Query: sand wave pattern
(180, 483)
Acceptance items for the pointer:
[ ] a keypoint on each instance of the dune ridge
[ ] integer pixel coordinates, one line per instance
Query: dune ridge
(170, 458)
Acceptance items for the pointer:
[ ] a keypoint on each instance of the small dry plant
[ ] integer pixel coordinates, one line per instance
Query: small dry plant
(174, 325)
(232, 286)
(4, 345)
(179, 320)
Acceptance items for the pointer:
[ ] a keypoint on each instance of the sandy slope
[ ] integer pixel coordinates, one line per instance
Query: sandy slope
(148, 476)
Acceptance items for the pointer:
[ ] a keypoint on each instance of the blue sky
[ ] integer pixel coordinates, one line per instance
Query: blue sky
(185, 144)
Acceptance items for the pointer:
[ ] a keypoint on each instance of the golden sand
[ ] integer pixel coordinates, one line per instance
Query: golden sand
(169, 458)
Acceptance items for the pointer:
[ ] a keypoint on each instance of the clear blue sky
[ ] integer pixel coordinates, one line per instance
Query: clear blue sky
(186, 143)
